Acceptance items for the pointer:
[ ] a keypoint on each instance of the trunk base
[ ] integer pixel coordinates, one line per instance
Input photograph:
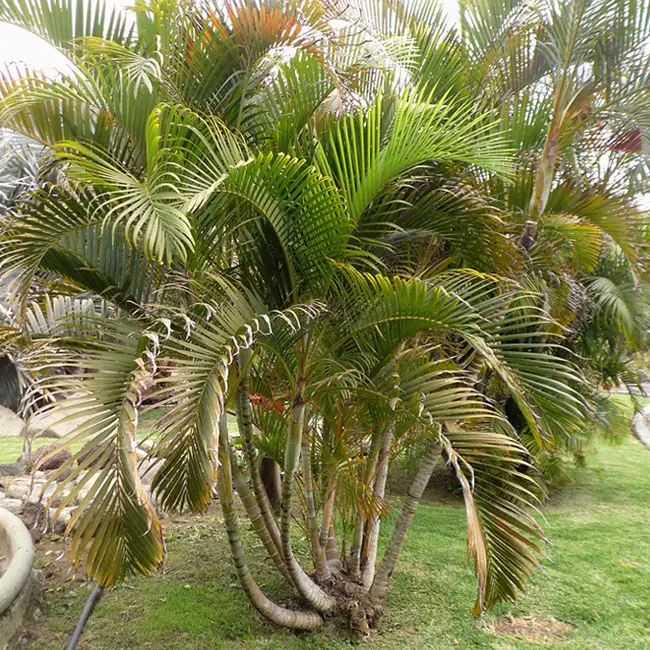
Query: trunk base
(354, 604)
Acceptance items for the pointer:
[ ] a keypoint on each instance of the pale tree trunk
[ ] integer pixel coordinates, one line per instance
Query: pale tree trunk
(328, 515)
(359, 539)
(307, 588)
(255, 515)
(282, 616)
(245, 426)
(331, 549)
(545, 170)
(370, 561)
(389, 561)
(327, 534)
(548, 160)
(299, 578)
(317, 550)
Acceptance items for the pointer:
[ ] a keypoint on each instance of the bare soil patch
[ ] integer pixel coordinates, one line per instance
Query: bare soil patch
(533, 629)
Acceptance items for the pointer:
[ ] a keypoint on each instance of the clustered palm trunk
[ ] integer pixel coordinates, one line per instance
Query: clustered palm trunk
(359, 229)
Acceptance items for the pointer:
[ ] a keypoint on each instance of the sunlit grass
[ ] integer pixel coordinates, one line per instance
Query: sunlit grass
(596, 578)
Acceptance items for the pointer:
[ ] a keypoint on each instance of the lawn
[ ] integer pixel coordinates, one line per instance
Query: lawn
(11, 448)
(594, 592)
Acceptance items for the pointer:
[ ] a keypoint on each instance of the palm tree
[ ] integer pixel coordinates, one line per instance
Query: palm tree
(569, 81)
(280, 207)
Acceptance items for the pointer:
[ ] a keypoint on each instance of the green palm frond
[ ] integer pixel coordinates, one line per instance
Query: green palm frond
(293, 215)
(62, 316)
(42, 220)
(197, 391)
(522, 347)
(618, 304)
(366, 151)
(146, 209)
(566, 236)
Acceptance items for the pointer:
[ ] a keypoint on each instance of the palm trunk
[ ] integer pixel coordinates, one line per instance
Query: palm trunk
(368, 572)
(245, 426)
(359, 539)
(389, 561)
(546, 170)
(328, 515)
(307, 588)
(354, 563)
(332, 550)
(255, 515)
(317, 550)
(273, 612)
(548, 160)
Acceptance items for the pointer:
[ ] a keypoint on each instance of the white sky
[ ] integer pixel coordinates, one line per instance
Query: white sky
(19, 46)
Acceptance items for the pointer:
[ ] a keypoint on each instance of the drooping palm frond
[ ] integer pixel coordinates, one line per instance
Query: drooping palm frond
(196, 389)
(522, 346)
(503, 537)
(114, 529)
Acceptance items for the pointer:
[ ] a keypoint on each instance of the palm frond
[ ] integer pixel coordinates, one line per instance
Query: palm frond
(503, 537)
(114, 530)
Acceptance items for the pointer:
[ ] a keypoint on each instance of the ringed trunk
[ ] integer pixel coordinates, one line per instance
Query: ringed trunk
(298, 620)
(368, 571)
(307, 588)
(389, 562)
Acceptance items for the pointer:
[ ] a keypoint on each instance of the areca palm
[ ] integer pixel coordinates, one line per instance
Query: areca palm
(569, 80)
(301, 259)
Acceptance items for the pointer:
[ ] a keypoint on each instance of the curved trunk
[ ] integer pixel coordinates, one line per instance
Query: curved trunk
(389, 561)
(368, 571)
(273, 612)
(245, 426)
(307, 588)
(255, 515)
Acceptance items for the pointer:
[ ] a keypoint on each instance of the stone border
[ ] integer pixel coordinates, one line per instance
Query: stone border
(16, 583)
(640, 426)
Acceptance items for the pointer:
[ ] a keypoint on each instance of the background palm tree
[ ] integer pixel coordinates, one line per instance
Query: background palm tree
(307, 215)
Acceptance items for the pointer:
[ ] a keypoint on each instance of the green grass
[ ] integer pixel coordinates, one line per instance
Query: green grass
(596, 577)
(12, 448)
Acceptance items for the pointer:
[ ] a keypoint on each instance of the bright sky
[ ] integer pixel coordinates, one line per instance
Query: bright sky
(19, 46)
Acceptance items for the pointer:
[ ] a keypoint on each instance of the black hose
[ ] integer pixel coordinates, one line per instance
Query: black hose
(85, 615)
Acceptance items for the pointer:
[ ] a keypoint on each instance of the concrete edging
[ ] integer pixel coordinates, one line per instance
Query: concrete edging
(641, 426)
(21, 552)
